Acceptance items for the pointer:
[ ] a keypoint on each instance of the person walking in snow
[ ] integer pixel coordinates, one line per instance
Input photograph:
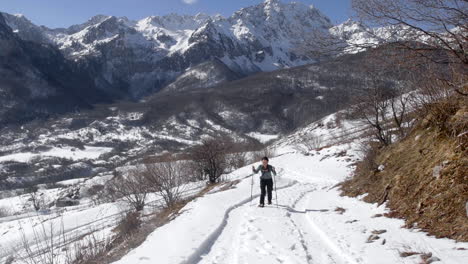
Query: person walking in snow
(266, 180)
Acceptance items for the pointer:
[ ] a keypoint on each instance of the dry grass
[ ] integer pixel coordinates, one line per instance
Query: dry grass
(406, 254)
(431, 199)
(340, 210)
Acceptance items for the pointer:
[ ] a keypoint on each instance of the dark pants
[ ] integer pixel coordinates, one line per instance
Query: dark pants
(268, 185)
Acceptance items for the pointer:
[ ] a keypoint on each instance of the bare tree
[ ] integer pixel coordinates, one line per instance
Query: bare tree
(211, 157)
(401, 97)
(131, 186)
(372, 104)
(440, 26)
(167, 179)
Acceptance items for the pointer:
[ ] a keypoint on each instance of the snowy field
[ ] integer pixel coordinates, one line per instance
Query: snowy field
(89, 152)
(309, 222)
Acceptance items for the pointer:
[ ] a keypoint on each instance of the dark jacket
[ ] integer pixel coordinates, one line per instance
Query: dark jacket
(266, 172)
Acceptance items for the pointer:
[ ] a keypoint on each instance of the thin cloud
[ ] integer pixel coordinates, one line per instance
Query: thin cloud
(190, 2)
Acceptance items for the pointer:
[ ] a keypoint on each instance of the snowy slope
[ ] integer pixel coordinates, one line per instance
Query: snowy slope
(311, 224)
(227, 227)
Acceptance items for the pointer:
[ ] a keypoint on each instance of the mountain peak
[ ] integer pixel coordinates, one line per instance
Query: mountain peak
(98, 19)
(271, 2)
(272, 6)
(3, 25)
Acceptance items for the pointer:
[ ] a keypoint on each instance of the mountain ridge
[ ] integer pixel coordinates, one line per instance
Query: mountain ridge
(142, 56)
(122, 59)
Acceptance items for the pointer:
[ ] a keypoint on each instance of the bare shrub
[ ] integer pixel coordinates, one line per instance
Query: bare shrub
(95, 189)
(49, 244)
(41, 247)
(312, 142)
(129, 225)
(266, 152)
(167, 179)
(89, 250)
(431, 22)
(400, 100)
(372, 105)
(237, 160)
(131, 186)
(369, 152)
(4, 211)
(96, 193)
(34, 197)
(436, 101)
(211, 157)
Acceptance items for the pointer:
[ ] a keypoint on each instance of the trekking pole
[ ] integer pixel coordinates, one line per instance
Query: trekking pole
(276, 193)
(251, 189)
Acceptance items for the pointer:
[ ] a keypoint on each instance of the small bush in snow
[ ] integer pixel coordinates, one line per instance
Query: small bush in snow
(167, 179)
(129, 224)
(35, 197)
(266, 152)
(4, 211)
(312, 142)
(132, 187)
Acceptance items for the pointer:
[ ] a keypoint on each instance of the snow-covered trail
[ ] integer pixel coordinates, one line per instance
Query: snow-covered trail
(274, 235)
(282, 233)
(306, 227)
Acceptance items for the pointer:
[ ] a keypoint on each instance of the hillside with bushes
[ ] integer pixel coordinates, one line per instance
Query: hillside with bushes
(423, 178)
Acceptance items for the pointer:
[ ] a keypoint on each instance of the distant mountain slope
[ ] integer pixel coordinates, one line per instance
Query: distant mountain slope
(36, 80)
(140, 57)
(109, 58)
(204, 75)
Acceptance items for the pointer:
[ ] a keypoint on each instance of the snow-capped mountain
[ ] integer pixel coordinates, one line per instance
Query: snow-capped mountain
(356, 37)
(37, 80)
(118, 58)
(140, 57)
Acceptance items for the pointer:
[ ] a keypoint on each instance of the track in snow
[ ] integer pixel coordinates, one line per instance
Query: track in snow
(207, 245)
(271, 235)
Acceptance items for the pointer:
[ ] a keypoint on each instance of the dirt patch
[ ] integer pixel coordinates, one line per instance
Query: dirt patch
(424, 180)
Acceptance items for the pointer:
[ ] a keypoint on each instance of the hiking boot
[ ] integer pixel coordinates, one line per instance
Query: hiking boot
(261, 205)
(269, 202)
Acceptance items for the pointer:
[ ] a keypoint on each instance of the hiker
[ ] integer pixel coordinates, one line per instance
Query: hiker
(266, 180)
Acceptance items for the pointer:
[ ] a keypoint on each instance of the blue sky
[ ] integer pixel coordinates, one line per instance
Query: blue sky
(63, 13)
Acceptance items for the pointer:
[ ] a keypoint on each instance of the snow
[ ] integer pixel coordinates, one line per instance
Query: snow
(72, 181)
(263, 138)
(227, 227)
(89, 152)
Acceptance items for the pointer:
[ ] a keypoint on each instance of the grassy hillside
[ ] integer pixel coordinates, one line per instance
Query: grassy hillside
(424, 177)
